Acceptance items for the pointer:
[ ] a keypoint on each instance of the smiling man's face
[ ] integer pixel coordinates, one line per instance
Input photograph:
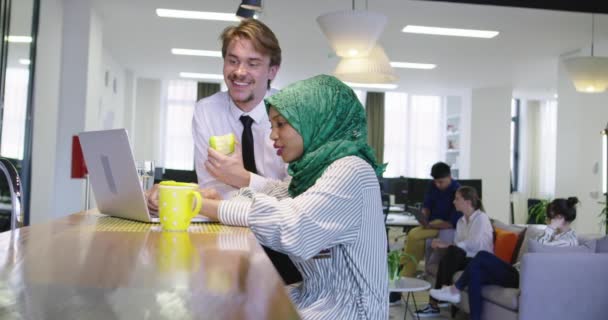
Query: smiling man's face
(246, 73)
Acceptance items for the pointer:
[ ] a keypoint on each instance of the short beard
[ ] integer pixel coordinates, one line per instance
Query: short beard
(247, 99)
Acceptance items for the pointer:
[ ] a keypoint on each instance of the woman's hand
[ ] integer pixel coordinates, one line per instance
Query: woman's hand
(211, 203)
(439, 244)
(557, 223)
(152, 197)
(209, 193)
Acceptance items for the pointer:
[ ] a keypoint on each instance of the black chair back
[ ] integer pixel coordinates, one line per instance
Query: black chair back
(180, 175)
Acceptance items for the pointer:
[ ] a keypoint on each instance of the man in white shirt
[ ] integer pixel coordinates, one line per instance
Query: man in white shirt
(252, 57)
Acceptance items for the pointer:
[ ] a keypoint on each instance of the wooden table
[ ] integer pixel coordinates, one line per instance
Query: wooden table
(91, 266)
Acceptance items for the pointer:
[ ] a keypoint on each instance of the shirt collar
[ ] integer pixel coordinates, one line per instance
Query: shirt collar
(474, 215)
(258, 114)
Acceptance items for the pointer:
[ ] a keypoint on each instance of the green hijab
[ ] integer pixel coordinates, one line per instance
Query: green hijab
(330, 119)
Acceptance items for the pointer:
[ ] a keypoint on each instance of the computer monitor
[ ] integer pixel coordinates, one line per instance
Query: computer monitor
(417, 189)
(475, 183)
(397, 187)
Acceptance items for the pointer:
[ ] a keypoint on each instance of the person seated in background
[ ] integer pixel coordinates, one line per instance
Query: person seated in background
(440, 213)
(488, 269)
(474, 234)
(328, 217)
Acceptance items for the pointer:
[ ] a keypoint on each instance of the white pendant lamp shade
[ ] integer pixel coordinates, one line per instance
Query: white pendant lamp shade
(589, 74)
(352, 33)
(375, 68)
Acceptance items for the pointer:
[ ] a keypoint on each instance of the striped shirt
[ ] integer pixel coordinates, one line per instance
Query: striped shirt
(551, 238)
(333, 232)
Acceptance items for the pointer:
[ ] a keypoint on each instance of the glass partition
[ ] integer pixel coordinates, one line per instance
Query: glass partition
(19, 23)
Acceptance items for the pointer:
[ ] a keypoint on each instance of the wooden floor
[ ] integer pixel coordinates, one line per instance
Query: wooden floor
(396, 241)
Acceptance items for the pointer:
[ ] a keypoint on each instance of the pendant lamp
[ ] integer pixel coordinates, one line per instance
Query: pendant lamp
(589, 74)
(352, 33)
(375, 68)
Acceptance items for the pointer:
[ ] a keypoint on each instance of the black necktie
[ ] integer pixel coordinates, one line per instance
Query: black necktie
(247, 144)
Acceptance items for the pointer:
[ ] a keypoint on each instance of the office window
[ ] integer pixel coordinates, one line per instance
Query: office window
(412, 134)
(395, 133)
(515, 110)
(15, 107)
(548, 148)
(361, 95)
(178, 143)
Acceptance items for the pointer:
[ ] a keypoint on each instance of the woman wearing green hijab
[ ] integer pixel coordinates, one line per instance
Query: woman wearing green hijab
(328, 217)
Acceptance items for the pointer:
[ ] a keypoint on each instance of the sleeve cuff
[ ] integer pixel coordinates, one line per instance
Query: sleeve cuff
(462, 245)
(234, 213)
(256, 182)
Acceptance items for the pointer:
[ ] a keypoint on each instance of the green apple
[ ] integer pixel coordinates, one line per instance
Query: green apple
(223, 144)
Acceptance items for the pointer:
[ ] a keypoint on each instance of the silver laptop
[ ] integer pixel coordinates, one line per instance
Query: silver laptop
(113, 176)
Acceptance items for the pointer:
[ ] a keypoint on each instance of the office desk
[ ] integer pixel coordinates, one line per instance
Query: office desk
(91, 266)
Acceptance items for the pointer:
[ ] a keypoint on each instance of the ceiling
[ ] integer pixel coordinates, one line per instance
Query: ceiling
(524, 55)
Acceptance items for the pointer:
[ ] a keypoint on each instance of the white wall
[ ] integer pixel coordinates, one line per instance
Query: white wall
(147, 137)
(130, 86)
(580, 119)
(489, 147)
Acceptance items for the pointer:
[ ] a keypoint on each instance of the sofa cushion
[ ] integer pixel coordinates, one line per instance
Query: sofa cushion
(508, 239)
(504, 297)
(504, 244)
(601, 245)
(532, 232)
(536, 247)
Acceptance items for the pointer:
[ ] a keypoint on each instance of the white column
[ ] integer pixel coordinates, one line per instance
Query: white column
(60, 103)
(45, 105)
(489, 147)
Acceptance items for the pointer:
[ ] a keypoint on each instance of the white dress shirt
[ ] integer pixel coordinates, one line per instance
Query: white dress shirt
(475, 234)
(217, 115)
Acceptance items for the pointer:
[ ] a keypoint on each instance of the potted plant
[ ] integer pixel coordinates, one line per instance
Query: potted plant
(604, 216)
(397, 259)
(537, 214)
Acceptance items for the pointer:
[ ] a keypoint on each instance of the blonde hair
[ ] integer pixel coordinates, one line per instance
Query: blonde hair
(262, 38)
(470, 193)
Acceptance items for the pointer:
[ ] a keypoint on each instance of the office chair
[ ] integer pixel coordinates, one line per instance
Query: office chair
(14, 186)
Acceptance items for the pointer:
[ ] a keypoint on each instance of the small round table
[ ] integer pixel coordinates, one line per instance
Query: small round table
(409, 285)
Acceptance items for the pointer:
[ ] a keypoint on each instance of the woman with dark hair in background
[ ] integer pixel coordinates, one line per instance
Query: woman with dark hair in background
(473, 235)
(488, 269)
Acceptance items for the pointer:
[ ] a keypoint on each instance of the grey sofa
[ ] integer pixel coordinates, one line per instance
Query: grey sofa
(553, 286)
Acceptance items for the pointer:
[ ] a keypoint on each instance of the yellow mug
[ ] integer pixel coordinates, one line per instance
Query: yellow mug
(223, 144)
(178, 203)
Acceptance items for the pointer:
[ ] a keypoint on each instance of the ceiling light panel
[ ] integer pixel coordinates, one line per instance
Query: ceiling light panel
(212, 76)
(199, 15)
(487, 34)
(388, 86)
(193, 52)
(412, 65)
